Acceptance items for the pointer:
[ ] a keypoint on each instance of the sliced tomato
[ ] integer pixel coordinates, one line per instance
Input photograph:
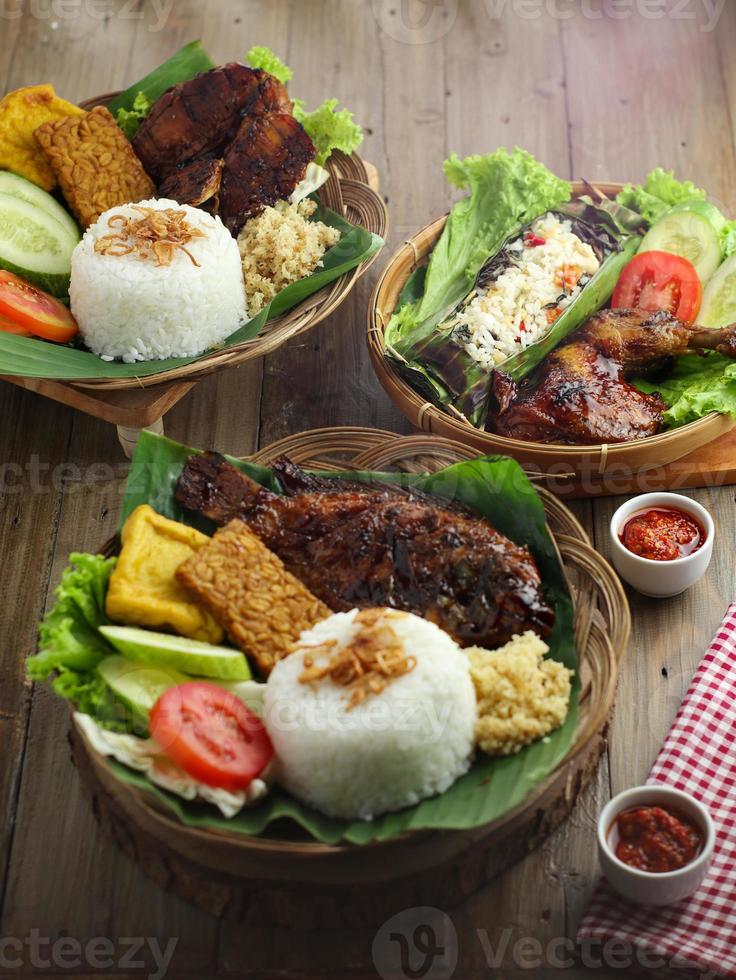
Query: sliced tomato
(10, 326)
(211, 735)
(659, 281)
(40, 314)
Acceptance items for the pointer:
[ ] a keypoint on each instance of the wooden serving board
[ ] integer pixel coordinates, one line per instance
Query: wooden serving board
(713, 465)
(130, 409)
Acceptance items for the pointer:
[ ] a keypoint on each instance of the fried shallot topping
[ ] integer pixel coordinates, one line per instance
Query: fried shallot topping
(367, 664)
(157, 235)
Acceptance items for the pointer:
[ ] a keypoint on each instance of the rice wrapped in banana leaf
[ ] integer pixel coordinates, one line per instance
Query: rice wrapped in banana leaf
(545, 279)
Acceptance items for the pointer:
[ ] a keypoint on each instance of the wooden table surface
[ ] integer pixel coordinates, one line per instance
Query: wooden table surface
(595, 89)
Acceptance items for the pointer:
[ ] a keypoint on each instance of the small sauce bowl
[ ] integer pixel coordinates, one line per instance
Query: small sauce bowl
(661, 579)
(661, 887)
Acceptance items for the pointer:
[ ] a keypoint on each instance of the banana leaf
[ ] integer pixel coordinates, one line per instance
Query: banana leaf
(437, 364)
(33, 358)
(495, 487)
(185, 64)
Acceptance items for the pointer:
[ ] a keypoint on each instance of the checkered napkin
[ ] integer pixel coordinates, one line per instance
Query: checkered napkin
(699, 757)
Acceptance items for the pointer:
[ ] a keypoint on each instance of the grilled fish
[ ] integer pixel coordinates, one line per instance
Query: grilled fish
(355, 544)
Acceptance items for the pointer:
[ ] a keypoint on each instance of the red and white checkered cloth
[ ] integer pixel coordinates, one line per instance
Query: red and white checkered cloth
(699, 757)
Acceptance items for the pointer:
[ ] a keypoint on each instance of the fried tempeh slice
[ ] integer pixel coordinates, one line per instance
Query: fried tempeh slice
(262, 607)
(94, 163)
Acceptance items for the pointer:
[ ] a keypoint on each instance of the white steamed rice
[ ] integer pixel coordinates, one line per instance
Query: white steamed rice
(408, 742)
(131, 308)
(519, 307)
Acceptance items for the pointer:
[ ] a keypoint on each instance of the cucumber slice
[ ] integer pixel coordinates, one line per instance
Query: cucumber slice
(178, 652)
(718, 307)
(35, 246)
(138, 687)
(689, 234)
(26, 191)
(251, 693)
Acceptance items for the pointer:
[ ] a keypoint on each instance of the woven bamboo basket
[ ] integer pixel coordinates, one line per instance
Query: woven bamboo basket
(293, 880)
(619, 458)
(352, 191)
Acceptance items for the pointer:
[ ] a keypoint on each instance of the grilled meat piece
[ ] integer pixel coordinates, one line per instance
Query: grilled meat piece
(263, 164)
(197, 183)
(201, 116)
(365, 545)
(579, 394)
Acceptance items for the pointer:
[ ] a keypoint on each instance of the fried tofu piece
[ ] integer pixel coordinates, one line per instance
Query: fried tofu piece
(21, 113)
(143, 590)
(262, 606)
(95, 164)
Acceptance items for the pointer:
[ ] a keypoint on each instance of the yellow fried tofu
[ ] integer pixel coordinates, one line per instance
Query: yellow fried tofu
(21, 113)
(143, 590)
(95, 164)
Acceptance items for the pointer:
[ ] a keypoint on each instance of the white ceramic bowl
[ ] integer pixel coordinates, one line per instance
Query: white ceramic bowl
(661, 579)
(647, 887)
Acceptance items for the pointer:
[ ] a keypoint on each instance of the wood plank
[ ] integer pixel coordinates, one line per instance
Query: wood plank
(527, 108)
(712, 466)
(337, 385)
(504, 78)
(615, 135)
(133, 407)
(96, 891)
(30, 499)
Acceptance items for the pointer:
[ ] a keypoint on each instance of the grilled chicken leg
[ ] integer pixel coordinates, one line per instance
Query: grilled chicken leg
(580, 394)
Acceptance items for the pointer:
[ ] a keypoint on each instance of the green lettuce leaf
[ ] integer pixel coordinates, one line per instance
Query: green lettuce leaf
(696, 386)
(329, 128)
(70, 645)
(68, 636)
(130, 119)
(262, 57)
(659, 192)
(662, 191)
(506, 191)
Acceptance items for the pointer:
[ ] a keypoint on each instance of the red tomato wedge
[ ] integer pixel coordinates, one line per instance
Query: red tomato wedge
(10, 326)
(35, 311)
(659, 281)
(209, 733)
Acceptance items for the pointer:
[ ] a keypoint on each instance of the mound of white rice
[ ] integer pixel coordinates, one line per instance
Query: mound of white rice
(394, 748)
(130, 307)
(548, 268)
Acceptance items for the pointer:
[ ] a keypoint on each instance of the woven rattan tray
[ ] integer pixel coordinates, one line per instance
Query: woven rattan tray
(295, 880)
(575, 461)
(349, 191)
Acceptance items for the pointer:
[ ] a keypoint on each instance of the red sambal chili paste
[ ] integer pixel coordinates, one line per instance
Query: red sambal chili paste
(662, 533)
(653, 839)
